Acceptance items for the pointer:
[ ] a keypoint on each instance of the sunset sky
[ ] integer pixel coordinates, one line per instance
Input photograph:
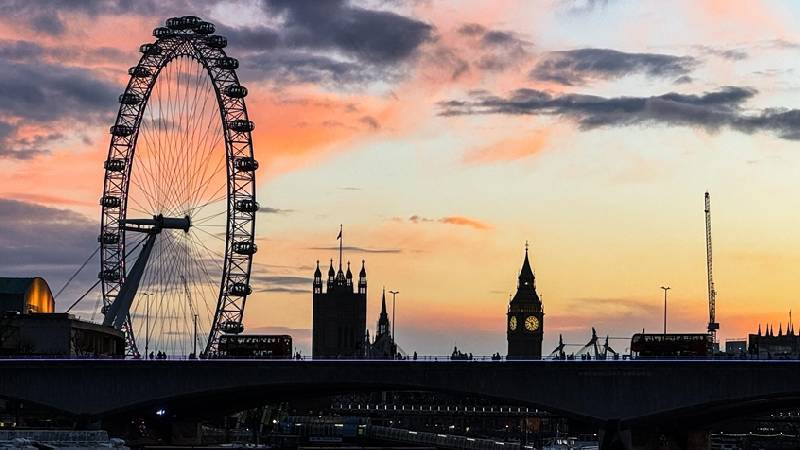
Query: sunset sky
(443, 135)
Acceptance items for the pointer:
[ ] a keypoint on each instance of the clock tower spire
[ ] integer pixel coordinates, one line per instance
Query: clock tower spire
(525, 316)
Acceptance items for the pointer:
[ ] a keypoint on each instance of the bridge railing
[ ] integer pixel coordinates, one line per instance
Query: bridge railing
(419, 358)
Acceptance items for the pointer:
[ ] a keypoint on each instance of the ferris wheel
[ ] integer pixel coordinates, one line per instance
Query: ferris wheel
(179, 202)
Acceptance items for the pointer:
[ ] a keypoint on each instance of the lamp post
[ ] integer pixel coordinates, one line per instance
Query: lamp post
(394, 341)
(147, 325)
(194, 352)
(665, 307)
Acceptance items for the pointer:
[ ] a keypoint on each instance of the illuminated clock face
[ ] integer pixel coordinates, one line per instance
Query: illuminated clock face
(531, 323)
(512, 323)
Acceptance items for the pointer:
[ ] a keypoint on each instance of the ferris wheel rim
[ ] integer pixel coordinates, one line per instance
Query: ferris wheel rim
(179, 39)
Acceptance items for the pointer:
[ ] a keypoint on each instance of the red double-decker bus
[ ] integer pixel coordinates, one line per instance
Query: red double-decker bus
(659, 345)
(255, 346)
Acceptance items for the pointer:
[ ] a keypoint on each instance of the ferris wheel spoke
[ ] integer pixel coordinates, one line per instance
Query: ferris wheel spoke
(202, 183)
(205, 146)
(205, 185)
(214, 256)
(147, 196)
(200, 282)
(198, 208)
(171, 134)
(150, 183)
(210, 124)
(204, 220)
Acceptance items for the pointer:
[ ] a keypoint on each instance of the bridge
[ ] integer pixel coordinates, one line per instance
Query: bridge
(619, 396)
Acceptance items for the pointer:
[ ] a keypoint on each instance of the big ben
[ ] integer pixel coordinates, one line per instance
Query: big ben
(525, 317)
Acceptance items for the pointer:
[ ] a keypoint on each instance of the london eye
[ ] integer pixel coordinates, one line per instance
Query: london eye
(179, 202)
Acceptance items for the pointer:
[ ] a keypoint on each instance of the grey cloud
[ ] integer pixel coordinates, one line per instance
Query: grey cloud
(332, 43)
(373, 36)
(472, 29)
(285, 290)
(498, 38)
(250, 38)
(47, 92)
(575, 67)
(48, 16)
(270, 210)
(282, 279)
(37, 240)
(496, 50)
(37, 92)
(47, 23)
(370, 122)
(731, 54)
(14, 147)
(282, 283)
(27, 51)
(284, 66)
(711, 111)
(360, 249)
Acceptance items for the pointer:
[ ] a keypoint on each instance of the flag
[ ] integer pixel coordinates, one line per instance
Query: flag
(340, 234)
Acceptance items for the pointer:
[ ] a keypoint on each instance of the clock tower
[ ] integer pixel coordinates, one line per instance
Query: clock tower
(525, 317)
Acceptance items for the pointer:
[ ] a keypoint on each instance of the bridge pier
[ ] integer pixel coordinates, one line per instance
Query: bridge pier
(185, 432)
(617, 436)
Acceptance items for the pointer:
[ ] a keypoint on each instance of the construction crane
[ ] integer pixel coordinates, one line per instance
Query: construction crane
(713, 326)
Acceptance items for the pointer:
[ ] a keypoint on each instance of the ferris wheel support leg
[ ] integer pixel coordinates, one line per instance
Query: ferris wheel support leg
(117, 313)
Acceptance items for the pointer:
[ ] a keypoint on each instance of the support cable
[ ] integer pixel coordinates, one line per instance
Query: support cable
(96, 282)
(77, 272)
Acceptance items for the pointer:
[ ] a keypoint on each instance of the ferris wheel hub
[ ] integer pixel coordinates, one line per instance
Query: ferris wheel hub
(158, 223)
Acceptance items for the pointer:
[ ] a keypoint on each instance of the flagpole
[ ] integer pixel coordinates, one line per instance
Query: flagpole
(341, 240)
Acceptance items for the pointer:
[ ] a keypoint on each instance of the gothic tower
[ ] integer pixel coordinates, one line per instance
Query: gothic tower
(383, 319)
(525, 317)
(340, 313)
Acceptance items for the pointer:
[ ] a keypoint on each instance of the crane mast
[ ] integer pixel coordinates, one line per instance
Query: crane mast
(713, 326)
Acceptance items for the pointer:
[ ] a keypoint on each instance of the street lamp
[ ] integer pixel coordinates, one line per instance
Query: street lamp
(665, 307)
(147, 325)
(394, 341)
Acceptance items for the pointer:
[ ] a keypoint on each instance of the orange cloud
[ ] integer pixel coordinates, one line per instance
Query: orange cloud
(510, 149)
(465, 221)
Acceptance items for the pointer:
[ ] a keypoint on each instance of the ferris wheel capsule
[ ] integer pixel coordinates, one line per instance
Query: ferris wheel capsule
(236, 91)
(245, 248)
(217, 41)
(231, 327)
(241, 126)
(227, 63)
(240, 289)
(163, 32)
(108, 238)
(150, 49)
(109, 275)
(129, 98)
(115, 165)
(110, 201)
(247, 205)
(204, 28)
(175, 23)
(139, 72)
(121, 130)
(189, 22)
(246, 164)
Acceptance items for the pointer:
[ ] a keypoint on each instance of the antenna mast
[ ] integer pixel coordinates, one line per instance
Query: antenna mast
(713, 326)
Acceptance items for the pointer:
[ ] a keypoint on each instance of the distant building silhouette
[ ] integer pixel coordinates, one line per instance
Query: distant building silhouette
(383, 346)
(339, 313)
(775, 345)
(525, 318)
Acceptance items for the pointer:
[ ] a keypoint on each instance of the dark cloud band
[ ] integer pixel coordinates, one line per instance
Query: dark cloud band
(576, 67)
(711, 111)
